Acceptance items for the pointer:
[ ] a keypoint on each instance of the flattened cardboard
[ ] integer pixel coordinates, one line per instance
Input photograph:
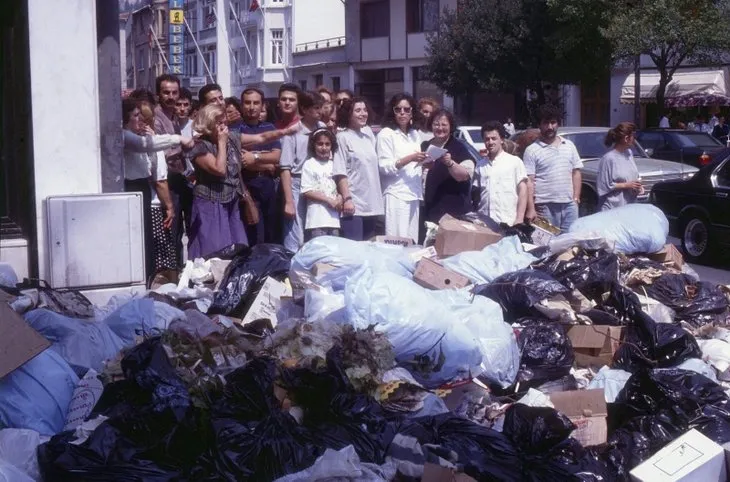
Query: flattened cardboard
(18, 341)
(669, 255)
(267, 302)
(436, 473)
(454, 237)
(587, 410)
(430, 274)
(394, 240)
(689, 458)
(594, 345)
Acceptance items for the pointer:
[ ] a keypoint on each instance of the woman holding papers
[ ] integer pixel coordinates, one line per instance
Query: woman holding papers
(400, 159)
(448, 184)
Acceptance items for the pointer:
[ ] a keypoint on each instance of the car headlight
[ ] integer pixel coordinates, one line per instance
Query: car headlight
(687, 175)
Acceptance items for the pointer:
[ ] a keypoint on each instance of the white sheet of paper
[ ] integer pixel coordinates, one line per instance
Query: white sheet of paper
(434, 153)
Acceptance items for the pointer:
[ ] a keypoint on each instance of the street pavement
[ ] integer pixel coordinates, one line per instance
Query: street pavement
(716, 272)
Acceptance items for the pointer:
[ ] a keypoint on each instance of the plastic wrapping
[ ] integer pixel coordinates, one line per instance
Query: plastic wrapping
(246, 274)
(438, 335)
(547, 353)
(634, 228)
(486, 265)
(591, 273)
(517, 292)
(698, 303)
(18, 448)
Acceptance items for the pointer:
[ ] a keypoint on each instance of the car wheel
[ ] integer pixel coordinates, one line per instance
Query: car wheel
(588, 203)
(696, 238)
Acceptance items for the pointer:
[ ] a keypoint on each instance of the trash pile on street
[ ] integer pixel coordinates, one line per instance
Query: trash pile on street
(591, 355)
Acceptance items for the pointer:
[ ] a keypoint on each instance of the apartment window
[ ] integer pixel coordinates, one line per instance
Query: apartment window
(208, 16)
(422, 15)
(303, 84)
(375, 19)
(335, 83)
(318, 80)
(277, 46)
(249, 44)
(211, 60)
(191, 17)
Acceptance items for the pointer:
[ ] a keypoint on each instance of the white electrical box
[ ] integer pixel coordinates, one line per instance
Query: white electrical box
(95, 240)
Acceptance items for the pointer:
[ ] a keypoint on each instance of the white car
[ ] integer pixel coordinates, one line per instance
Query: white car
(471, 135)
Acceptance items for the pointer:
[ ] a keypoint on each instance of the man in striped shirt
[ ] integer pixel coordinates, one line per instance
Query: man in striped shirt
(553, 167)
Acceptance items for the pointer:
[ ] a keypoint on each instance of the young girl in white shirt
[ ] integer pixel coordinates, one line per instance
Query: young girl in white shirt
(324, 204)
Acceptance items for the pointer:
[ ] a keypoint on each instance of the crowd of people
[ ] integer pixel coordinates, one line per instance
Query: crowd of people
(228, 170)
(716, 125)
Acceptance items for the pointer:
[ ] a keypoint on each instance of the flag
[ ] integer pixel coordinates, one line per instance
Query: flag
(254, 6)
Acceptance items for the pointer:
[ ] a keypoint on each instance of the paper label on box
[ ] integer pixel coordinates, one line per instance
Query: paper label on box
(267, 302)
(677, 459)
(541, 237)
(429, 253)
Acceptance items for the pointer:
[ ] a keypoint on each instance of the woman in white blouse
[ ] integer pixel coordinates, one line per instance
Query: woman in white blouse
(400, 160)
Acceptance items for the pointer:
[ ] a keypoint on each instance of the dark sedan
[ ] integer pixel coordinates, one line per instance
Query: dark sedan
(699, 209)
(679, 145)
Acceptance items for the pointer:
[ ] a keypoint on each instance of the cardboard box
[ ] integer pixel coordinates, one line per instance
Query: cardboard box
(594, 345)
(587, 410)
(454, 237)
(19, 342)
(669, 255)
(689, 458)
(267, 302)
(436, 473)
(321, 268)
(430, 274)
(394, 240)
(429, 252)
(544, 232)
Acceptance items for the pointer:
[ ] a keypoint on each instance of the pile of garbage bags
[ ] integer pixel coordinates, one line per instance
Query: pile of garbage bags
(578, 360)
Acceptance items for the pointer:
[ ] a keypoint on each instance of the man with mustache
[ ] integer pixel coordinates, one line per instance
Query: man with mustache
(167, 122)
(553, 168)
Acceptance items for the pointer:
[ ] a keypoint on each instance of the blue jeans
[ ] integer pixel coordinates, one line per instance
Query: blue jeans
(263, 191)
(560, 215)
(359, 228)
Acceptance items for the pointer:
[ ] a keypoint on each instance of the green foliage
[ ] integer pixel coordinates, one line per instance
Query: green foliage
(516, 44)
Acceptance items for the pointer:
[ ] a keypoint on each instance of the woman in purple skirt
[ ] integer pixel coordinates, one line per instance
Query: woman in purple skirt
(215, 219)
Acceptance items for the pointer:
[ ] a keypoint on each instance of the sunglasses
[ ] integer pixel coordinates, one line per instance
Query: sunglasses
(402, 110)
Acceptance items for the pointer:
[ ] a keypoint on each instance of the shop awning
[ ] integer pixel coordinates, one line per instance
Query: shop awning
(689, 87)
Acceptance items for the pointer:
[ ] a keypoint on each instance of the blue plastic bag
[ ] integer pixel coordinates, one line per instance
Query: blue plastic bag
(36, 396)
(439, 336)
(635, 228)
(491, 262)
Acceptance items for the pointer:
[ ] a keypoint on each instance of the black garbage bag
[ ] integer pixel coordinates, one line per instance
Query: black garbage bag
(335, 413)
(547, 352)
(254, 438)
(590, 272)
(523, 231)
(696, 302)
(153, 433)
(542, 435)
(518, 291)
(230, 252)
(648, 344)
(246, 274)
(485, 454)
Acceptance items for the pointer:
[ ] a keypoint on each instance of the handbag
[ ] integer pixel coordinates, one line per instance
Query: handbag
(249, 210)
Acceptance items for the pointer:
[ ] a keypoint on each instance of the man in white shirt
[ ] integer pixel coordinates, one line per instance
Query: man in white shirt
(509, 127)
(664, 121)
(500, 179)
(182, 108)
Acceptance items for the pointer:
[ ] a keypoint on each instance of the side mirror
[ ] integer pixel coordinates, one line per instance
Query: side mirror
(649, 151)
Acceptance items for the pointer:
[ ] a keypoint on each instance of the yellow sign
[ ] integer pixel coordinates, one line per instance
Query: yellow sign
(176, 16)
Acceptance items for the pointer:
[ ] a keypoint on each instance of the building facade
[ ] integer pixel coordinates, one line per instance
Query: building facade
(145, 44)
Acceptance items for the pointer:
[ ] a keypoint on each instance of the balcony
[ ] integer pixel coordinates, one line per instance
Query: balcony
(327, 43)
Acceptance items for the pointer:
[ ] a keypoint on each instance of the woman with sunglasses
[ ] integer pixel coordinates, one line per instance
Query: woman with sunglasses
(400, 160)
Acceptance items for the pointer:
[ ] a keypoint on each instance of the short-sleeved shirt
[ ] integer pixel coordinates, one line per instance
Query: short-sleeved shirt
(615, 167)
(294, 150)
(216, 188)
(317, 177)
(552, 166)
(497, 181)
(405, 183)
(258, 129)
(357, 159)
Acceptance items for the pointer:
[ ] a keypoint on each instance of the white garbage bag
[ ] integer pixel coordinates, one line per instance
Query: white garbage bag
(491, 262)
(18, 448)
(634, 228)
(612, 382)
(439, 336)
(717, 353)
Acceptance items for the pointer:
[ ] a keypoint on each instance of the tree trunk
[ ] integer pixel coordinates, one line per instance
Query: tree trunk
(468, 105)
(661, 91)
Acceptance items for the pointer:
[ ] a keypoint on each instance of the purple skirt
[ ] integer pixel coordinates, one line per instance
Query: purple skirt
(214, 226)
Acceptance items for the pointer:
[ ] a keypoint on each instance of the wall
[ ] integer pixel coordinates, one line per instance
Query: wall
(619, 112)
(317, 20)
(571, 105)
(63, 85)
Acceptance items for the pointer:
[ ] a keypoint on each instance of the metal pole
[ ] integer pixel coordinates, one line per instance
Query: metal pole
(637, 90)
(159, 48)
(197, 47)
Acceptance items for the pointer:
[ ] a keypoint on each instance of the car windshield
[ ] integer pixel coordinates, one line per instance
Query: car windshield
(696, 139)
(590, 144)
(476, 135)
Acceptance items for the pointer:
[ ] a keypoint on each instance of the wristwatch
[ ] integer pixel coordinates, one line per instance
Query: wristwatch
(256, 156)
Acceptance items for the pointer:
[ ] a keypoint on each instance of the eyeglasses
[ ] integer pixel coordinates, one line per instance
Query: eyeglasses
(402, 110)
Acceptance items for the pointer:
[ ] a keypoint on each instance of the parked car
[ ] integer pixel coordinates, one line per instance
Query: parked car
(698, 209)
(679, 145)
(471, 135)
(589, 142)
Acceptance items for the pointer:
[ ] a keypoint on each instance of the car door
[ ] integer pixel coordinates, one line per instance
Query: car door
(666, 148)
(719, 201)
(655, 141)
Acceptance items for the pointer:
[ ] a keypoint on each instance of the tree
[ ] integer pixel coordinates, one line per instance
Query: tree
(670, 32)
(514, 45)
